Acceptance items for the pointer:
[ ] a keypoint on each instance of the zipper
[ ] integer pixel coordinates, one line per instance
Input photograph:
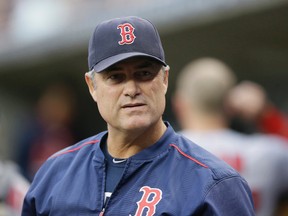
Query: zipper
(108, 198)
(102, 212)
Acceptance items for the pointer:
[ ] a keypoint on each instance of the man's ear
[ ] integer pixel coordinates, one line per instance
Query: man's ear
(166, 77)
(91, 86)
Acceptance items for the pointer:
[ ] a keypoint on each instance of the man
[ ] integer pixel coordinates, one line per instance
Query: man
(200, 107)
(249, 103)
(140, 166)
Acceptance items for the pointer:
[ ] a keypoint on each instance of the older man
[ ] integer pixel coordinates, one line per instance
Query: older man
(139, 166)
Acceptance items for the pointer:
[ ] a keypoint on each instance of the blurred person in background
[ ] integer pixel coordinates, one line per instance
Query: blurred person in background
(249, 106)
(200, 107)
(13, 187)
(50, 129)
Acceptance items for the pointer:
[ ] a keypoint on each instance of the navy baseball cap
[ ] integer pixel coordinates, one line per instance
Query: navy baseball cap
(121, 38)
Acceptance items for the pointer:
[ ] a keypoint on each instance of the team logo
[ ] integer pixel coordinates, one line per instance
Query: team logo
(150, 198)
(126, 33)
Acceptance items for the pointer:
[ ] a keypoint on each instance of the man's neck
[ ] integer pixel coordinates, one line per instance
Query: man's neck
(124, 144)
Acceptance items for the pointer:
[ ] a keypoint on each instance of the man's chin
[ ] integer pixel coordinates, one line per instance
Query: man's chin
(136, 124)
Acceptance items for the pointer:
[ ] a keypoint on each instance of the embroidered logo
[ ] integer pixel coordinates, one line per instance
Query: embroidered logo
(127, 33)
(150, 198)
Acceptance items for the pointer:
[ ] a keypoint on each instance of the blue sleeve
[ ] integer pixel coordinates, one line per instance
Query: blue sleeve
(36, 201)
(229, 197)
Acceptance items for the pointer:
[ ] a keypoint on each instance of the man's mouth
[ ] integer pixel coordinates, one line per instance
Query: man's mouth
(132, 105)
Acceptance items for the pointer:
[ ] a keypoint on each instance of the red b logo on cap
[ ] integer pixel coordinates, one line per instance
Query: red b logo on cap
(127, 33)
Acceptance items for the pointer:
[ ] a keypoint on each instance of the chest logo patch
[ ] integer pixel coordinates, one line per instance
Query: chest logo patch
(149, 200)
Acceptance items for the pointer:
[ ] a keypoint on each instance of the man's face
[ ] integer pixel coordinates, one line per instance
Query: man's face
(131, 94)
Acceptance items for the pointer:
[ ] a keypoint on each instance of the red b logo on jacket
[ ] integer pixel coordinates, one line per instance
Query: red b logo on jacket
(149, 200)
(127, 33)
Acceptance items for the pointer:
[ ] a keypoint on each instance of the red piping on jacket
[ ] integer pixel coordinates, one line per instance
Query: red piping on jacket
(188, 156)
(76, 149)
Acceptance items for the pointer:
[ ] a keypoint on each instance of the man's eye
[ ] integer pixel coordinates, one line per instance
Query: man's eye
(115, 78)
(145, 75)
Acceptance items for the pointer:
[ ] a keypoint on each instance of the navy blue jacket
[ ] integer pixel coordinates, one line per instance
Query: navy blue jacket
(172, 177)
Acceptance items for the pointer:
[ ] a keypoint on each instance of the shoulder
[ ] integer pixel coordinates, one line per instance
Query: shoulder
(82, 146)
(61, 168)
(58, 164)
(190, 151)
(221, 186)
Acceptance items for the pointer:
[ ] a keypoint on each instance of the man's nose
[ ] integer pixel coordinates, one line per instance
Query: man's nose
(131, 88)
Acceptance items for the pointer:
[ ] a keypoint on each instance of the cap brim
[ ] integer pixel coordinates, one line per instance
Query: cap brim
(104, 64)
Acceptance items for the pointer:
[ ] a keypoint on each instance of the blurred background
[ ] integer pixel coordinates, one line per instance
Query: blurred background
(43, 58)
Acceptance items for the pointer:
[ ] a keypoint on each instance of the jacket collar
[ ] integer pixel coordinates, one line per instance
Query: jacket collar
(147, 154)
